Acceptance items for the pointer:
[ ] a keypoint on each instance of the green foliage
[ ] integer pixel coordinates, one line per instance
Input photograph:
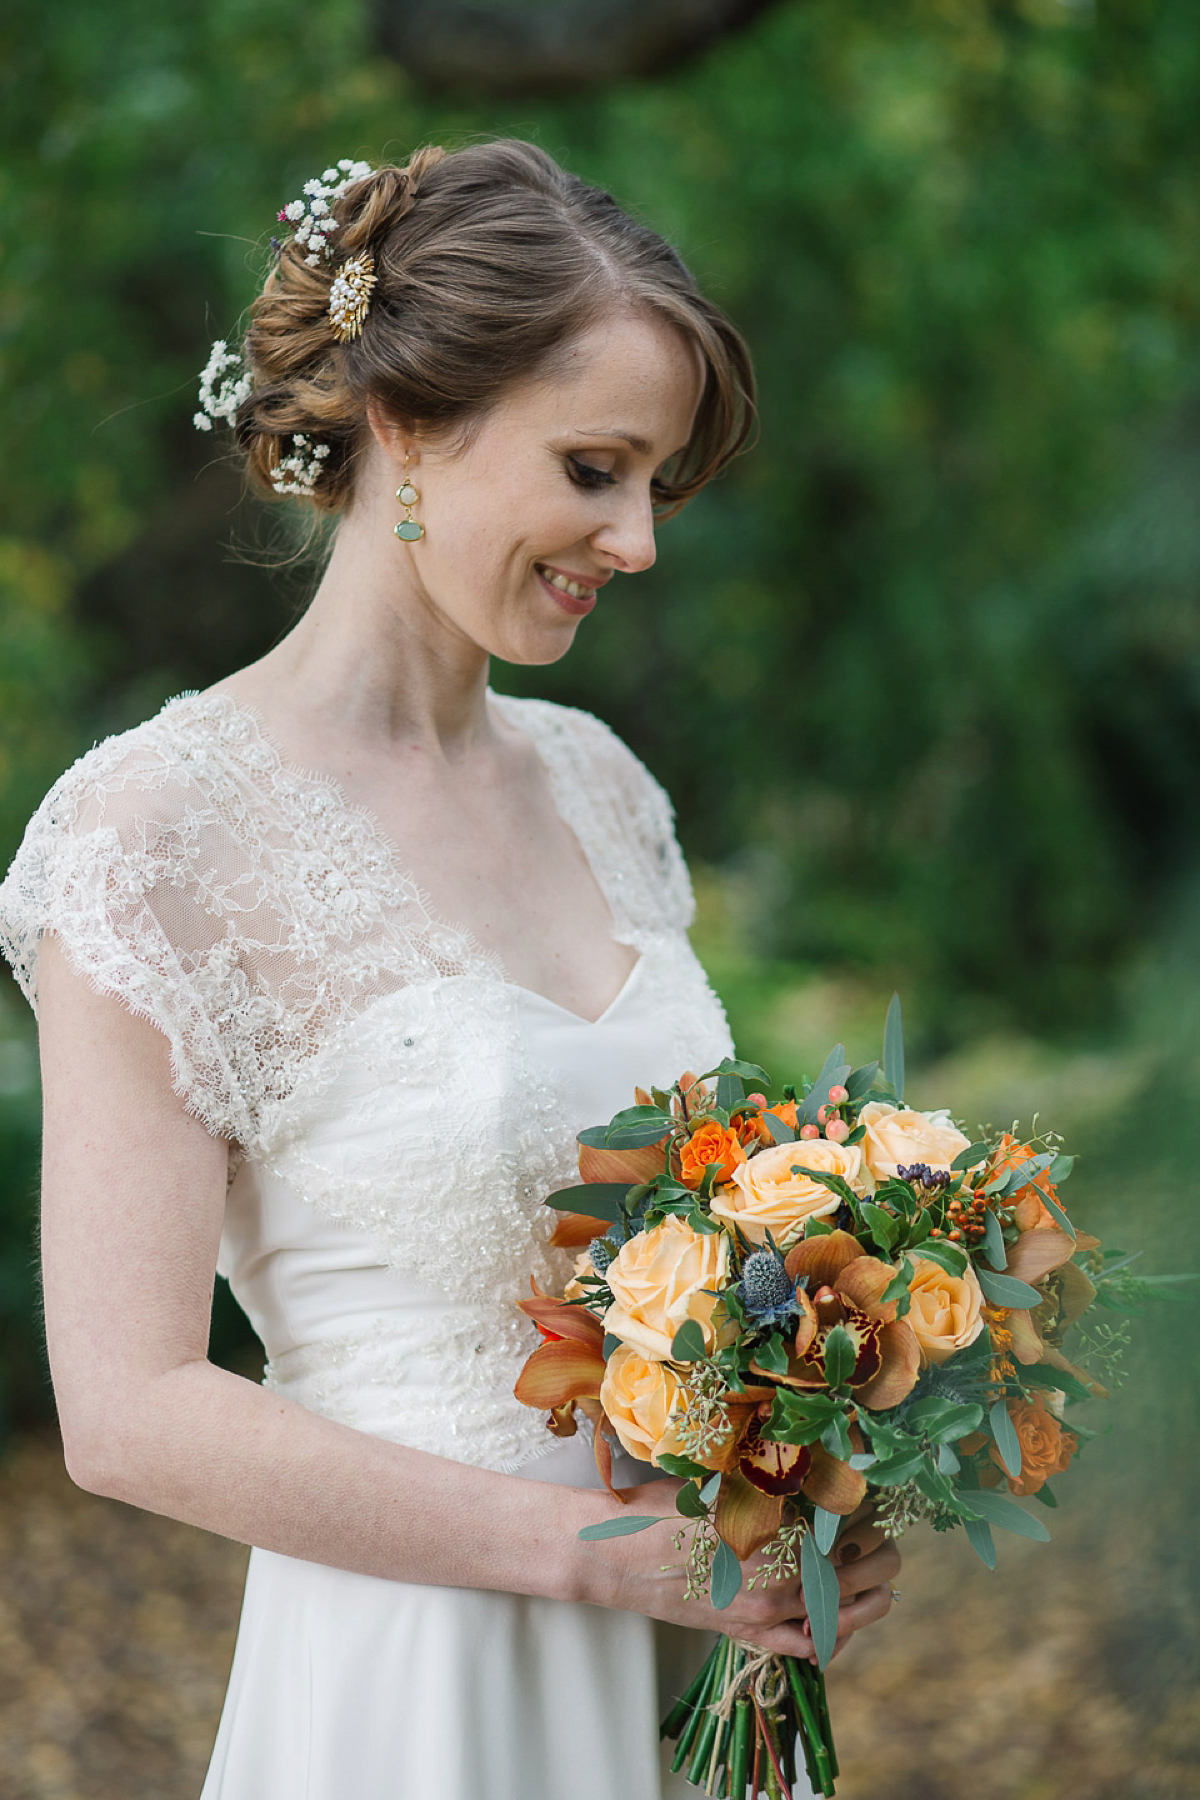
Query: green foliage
(920, 673)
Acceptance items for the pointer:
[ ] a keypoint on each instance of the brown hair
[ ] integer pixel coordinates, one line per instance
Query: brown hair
(489, 260)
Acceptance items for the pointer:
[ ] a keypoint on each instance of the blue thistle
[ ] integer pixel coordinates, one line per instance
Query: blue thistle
(603, 1253)
(768, 1292)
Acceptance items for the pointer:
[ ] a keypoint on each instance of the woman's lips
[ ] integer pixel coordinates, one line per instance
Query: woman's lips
(576, 606)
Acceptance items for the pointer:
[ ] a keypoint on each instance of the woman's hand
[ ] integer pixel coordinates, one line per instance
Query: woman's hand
(645, 1573)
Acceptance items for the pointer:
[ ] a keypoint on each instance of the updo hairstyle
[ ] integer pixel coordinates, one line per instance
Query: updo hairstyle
(490, 261)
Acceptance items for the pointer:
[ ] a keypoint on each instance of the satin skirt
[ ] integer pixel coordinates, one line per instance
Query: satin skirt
(351, 1687)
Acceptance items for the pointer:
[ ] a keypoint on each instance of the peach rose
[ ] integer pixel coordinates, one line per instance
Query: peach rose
(946, 1313)
(765, 1195)
(711, 1142)
(660, 1279)
(641, 1396)
(575, 1289)
(1046, 1449)
(898, 1136)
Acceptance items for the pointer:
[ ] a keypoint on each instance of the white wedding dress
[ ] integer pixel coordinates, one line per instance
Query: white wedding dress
(397, 1109)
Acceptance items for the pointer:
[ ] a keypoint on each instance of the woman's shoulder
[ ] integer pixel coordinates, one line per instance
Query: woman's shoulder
(608, 792)
(162, 756)
(591, 739)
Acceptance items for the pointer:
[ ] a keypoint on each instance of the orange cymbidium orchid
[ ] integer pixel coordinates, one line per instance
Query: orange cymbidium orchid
(844, 1288)
(1068, 1293)
(1042, 1256)
(575, 1230)
(565, 1372)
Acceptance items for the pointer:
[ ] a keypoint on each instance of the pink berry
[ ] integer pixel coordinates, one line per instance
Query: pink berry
(822, 1114)
(837, 1131)
(758, 1099)
(838, 1093)
(810, 1131)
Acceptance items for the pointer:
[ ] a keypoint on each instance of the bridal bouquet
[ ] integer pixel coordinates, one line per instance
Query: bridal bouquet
(802, 1309)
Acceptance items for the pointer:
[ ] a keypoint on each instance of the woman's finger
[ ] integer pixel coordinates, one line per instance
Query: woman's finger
(870, 1570)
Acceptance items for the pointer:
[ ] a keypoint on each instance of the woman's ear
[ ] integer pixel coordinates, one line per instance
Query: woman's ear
(391, 436)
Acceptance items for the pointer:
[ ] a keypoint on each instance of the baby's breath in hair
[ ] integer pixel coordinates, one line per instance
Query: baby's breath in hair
(220, 393)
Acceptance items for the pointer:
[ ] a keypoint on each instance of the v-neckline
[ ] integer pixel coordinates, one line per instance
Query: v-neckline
(477, 951)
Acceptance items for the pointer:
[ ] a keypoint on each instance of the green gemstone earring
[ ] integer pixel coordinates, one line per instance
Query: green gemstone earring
(408, 528)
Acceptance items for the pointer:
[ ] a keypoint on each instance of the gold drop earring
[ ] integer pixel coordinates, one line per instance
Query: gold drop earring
(408, 528)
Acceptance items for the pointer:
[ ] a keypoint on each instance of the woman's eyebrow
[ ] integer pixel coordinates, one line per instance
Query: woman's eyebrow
(632, 439)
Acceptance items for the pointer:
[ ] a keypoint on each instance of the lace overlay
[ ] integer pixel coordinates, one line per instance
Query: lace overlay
(348, 1042)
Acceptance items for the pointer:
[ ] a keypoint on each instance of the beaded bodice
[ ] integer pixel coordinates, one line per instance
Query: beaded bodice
(396, 1107)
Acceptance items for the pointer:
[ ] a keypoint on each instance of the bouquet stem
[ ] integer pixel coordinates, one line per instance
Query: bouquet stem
(741, 1719)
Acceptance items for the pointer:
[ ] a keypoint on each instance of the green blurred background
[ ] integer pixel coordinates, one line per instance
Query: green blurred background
(922, 674)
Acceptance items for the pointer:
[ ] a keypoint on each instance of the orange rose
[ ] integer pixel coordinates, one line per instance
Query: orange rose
(1046, 1449)
(711, 1142)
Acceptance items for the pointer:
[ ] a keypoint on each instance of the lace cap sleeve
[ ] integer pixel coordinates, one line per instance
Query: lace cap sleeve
(109, 863)
(635, 823)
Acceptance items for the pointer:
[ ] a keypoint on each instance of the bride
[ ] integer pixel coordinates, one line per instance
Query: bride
(333, 959)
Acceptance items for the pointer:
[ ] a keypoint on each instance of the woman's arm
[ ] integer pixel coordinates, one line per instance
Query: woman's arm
(133, 1197)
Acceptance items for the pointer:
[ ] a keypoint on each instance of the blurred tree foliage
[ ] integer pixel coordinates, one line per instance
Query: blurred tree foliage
(925, 667)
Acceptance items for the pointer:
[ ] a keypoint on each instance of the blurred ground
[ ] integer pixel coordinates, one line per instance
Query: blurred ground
(1064, 1676)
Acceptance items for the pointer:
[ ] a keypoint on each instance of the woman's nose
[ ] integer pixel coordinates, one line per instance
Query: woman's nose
(628, 537)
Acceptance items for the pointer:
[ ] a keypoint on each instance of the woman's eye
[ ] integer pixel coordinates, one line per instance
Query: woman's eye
(587, 476)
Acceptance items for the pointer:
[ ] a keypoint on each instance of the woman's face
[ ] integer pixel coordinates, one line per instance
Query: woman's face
(557, 487)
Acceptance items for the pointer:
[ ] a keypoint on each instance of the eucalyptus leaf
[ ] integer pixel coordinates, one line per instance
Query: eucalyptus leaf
(994, 1247)
(710, 1489)
(1005, 1514)
(893, 1048)
(980, 1538)
(947, 1461)
(860, 1081)
(1047, 1496)
(825, 1528)
(611, 1343)
(834, 1070)
(780, 1130)
(1005, 1434)
(1006, 1290)
(624, 1526)
(822, 1597)
(1056, 1211)
(726, 1577)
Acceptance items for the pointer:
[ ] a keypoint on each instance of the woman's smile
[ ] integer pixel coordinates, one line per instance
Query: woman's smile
(574, 593)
